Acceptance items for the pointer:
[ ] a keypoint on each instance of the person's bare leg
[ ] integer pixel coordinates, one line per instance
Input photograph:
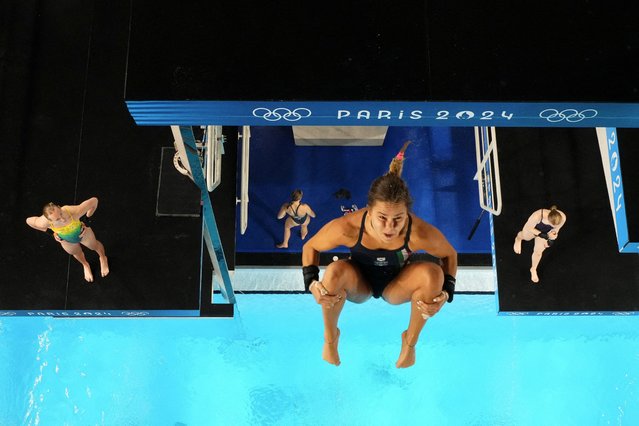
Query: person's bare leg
(88, 275)
(304, 228)
(517, 245)
(75, 250)
(287, 233)
(104, 261)
(89, 240)
(303, 231)
(340, 278)
(418, 282)
(416, 324)
(540, 246)
(331, 315)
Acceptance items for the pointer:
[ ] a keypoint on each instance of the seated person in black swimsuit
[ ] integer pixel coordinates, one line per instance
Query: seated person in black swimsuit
(297, 214)
(382, 237)
(543, 226)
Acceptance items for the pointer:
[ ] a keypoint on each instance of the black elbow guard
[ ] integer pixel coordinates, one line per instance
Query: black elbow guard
(449, 286)
(311, 273)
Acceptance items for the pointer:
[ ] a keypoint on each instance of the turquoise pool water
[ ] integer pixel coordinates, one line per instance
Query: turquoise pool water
(264, 368)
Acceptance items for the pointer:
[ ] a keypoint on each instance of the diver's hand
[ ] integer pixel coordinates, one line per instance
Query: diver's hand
(430, 308)
(323, 297)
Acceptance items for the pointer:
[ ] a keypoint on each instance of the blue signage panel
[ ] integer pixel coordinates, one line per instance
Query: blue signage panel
(618, 201)
(426, 114)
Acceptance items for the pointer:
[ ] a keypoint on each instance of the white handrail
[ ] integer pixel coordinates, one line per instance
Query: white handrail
(214, 150)
(244, 185)
(488, 181)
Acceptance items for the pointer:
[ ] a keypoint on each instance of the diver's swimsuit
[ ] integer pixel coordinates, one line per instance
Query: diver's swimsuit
(543, 227)
(69, 232)
(381, 266)
(295, 217)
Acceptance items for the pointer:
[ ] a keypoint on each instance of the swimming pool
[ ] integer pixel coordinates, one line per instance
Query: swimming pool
(265, 367)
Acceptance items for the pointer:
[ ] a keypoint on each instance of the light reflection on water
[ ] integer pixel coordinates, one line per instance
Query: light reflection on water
(265, 367)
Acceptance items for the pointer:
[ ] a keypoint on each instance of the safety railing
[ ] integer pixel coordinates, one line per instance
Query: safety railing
(213, 140)
(488, 170)
(209, 151)
(245, 135)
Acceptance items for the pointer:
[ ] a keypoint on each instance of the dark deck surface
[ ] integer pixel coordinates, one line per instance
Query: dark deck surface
(434, 50)
(67, 136)
(583, 270)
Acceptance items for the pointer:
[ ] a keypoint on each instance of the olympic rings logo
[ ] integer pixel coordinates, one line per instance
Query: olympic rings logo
(7, 314)
(570, 115)
(281, 113)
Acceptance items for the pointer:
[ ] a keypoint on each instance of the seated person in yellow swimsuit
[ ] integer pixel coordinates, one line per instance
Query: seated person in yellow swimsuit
(71, 233)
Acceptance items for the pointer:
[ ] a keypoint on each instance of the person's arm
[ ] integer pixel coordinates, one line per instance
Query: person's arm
(432, 240)
(282, 211)
(311, 213)
(39, 223)
(439, 247)
(532, 221)
(87, 207)
(335, 233)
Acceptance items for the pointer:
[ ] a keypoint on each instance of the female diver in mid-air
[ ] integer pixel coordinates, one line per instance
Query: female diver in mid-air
(381, 238)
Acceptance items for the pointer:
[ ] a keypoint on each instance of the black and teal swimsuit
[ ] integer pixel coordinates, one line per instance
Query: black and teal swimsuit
(381, 266)
(297, 219)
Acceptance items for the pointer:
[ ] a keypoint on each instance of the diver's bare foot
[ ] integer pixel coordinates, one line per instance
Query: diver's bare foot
(281, 245)
(104, 266)
(407, 355)
(517, 246)
(329, 353)
(533, 276)
(88, 275)
(303, 234)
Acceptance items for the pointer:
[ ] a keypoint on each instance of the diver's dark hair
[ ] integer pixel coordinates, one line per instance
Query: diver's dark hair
(390, 187)
(296, 195)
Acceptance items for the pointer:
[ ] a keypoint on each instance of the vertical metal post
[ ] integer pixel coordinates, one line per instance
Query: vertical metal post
(244, 183)
(211, 234)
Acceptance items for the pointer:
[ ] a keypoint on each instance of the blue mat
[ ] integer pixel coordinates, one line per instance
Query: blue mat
(439, 170)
